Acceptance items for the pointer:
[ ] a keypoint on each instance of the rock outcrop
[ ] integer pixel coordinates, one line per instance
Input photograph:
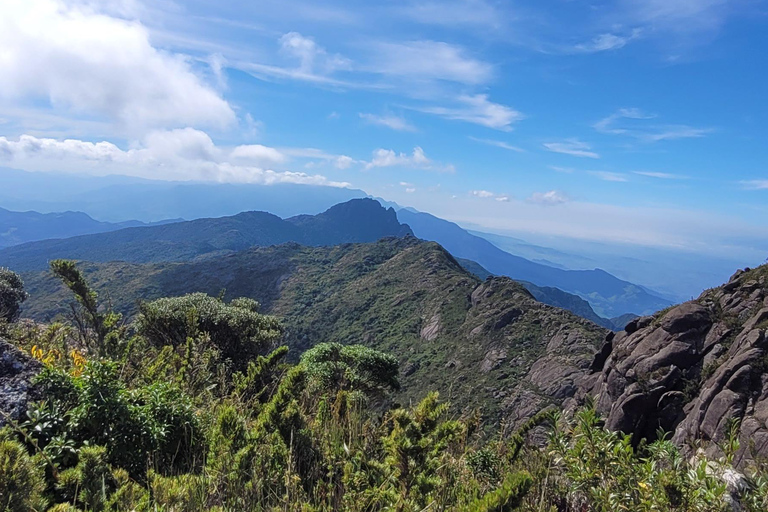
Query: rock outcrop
(696, 370)
(17, 370)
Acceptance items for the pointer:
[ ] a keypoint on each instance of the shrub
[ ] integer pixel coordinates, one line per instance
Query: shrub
(12, 294)
(237, 329)
(21, 480)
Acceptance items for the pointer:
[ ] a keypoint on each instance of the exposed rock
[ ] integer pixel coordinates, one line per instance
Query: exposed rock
(432, 328)
(692, 370)
(17, 370)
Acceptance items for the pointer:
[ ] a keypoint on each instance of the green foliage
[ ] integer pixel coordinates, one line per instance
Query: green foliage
(166, 424)
(602, 472)
(333, 366)
(236, 329)
(151, 425)
(416, 447)
(259, 378)
(507, 497)
(12, 294)
(21, 479)
(98, 328)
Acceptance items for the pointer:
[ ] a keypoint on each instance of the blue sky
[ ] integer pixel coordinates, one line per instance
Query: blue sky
(635, 121)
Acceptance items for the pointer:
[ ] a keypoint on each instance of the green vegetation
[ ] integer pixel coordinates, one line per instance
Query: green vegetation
(12, 294)
(381, 295)
(166, 421)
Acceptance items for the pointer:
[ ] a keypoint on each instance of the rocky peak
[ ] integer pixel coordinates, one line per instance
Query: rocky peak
(693, 370)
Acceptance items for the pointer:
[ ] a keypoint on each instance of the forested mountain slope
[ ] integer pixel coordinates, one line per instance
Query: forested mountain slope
(485, 344)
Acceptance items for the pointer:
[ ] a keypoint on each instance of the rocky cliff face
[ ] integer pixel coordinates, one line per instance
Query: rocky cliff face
(693, 370)
(17, 370)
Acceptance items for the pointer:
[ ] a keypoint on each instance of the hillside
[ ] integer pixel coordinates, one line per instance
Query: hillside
(693, 370)
(608, 295)
(552, 296)
(359, 220)
(480, 343)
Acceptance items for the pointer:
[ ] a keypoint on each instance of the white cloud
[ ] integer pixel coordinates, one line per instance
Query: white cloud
(550, 198)
(661, 175)
(410, 190)
(344, 162)
(573, 147)
(390, 121)
(314, 63)
(755, 184)
(565, 170)
(618, 124)
(498, 144)
(429, 60)
(258, 153)
(417, 160)
(405, 184)
(502, 199)
(482, 193)
(609, 176)
(606, 42)
(180, 154)
(92, 64)
(338, 161)
(681, 16)
(479, 110)
(388, 158)
(312, 57)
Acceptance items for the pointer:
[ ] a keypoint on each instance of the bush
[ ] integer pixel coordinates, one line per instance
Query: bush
(336, 366)
(237, 329)
(154, 423)
(12, 294)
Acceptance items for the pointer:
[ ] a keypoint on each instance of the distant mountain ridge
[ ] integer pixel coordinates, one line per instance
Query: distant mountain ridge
(608, 296)
(118, 198)
(358, 220)
(20, 227)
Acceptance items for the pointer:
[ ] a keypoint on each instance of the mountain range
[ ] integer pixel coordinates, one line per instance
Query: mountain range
(608, 296)
(358, 220)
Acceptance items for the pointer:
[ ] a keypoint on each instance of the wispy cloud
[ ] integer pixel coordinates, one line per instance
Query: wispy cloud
(755, 184)
(631, 122)
(566, 170)
(610, 176)
(478, 109)
(498, 144)
(390, 121)
(607, 42)
(661, 175)
(429, 60)
(573, 147)
(677, 15)
(550, 198)
(313, 63)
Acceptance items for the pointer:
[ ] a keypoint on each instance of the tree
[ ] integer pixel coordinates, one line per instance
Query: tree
(12, 294)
